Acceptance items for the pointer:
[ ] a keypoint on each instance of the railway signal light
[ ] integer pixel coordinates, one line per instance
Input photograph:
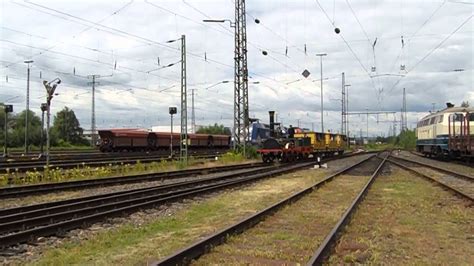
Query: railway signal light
(50, 91)
(173, 110)
(8, 108)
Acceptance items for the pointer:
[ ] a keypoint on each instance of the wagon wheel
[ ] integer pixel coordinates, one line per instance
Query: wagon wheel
(271, 158)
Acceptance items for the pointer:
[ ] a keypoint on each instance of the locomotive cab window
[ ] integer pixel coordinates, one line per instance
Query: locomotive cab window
(458, 117)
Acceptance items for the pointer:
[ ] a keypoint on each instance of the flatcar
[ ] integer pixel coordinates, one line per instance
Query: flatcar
(446, 133)
(325, 144)
(115, 140)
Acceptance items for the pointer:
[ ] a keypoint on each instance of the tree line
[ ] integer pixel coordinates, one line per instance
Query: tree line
(65, 129)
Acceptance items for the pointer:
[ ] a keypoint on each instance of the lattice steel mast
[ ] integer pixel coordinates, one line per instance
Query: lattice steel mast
(241, 97)
(343, 105)
(93, 123)
(184, 104)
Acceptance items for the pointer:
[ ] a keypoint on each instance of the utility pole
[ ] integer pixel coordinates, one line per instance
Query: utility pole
(184, 105)
(27, 114)
(93, 123)
(346, 108)
(401, 120)
(172, 111)
(343, 104)
(8, 108)
(193, 116)
(404, 112)
(44, 108)
(367, 110)
(93, 126)
(322, 107)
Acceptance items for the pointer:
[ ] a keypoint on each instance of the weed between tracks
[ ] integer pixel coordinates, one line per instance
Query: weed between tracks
(407, 220)
(131, 244)
(82, 172)
(290, 236)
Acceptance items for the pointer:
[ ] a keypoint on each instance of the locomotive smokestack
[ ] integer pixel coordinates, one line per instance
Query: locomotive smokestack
(272, 123)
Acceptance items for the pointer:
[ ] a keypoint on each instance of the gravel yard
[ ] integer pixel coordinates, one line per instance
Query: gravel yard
(463, 169)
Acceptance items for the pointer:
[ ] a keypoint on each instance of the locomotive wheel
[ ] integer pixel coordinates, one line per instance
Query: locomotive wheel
(265, 158)
(291, 157)
(271, 158)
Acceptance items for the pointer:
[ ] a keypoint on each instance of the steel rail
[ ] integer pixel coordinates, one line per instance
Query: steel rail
(465, 161)
(449, 172)
(194, 251)
(60, 210)
(28, 166)
(434, 180)
(41, 162)
(84, 157)
(53, 229)
(325, 248)
(19, 191)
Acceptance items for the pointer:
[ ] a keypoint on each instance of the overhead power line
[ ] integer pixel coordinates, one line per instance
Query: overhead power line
(111, 65)
(358, 21)
(432, 50)
(416, 32)
(122, 33)
(348, 45)
(83, 30)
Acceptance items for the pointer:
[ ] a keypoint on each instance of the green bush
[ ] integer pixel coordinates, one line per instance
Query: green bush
(250, 151)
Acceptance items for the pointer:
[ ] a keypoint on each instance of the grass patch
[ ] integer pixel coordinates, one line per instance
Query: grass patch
(291, 235)
(82, 172)
(408, 220)
(131, 245)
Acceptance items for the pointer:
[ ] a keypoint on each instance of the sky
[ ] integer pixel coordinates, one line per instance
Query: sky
(126, 44)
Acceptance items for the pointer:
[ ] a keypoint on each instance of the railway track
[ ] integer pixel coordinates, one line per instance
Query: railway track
(78, 155)
(461, 161)
(23, 224)
(232, 233)
(25, 166)
(462, 185)
(20, 191)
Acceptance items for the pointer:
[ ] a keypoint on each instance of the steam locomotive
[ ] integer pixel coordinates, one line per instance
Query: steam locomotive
(299, 145)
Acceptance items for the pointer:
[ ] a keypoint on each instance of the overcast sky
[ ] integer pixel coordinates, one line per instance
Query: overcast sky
(126, 41)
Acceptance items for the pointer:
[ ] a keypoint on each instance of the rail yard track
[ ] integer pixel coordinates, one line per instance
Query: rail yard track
(460, 184)
(261, 219)
(23, 166)
(80, 155)
(20, 191)
(461, 161)
(23, 224)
